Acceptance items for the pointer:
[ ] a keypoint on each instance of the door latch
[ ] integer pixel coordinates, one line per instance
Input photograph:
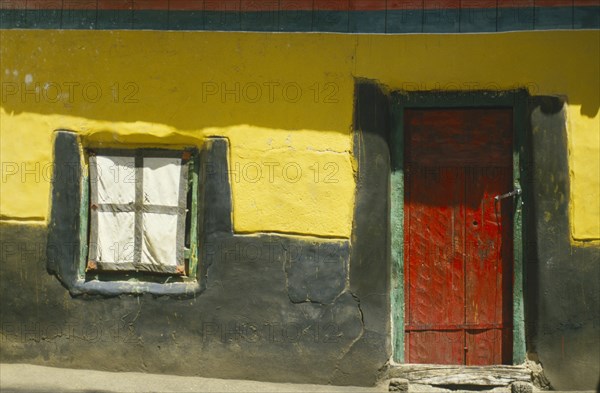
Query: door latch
(508, 194)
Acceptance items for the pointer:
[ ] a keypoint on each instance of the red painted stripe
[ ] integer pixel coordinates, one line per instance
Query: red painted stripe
(295, 5)
(483, 4)
(79, 4)
(367, 5)
(186, 5)
(222, 5)
(319, 5)
(257, 5)
(405, 4)
(553, 3)
(515, 3)
(288, 5)
(13, 4)
(332, 5)
(42, 5)
(115, 4)
(150, 4)
(441, 4)
(566, 3)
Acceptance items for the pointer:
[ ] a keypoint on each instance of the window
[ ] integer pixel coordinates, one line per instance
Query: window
(127, 220)
(141, 208)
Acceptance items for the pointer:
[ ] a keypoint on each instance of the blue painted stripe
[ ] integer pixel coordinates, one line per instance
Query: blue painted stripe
(30, 19)
(514, 19)
(330, 21)
(553, 18)
(79, 19)
(441, 21)
(13, 19)
(586, 18)
(404, 21)
(186, 20)
(367, 22)
(390, 21)
(150, 20)
(260, 21)
(222, 20)
(296, 21)
(474, 20)
(113, 19)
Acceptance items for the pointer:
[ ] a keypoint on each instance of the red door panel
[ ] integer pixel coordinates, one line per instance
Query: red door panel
(458, 240)
(488, 255)
(484, 347)
(448, 347)
(459, 137)
(435, 222)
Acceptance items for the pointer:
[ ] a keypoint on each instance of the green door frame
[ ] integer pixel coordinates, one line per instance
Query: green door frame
(517, 100)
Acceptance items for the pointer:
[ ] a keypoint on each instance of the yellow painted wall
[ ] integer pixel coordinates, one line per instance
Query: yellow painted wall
(283, 100)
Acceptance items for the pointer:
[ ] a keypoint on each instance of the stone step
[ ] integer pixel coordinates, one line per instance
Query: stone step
(450, 378)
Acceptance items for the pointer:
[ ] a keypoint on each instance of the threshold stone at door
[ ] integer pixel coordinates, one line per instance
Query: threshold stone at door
(416, 377)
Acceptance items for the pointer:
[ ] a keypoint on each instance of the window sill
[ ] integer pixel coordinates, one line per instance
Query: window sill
(115, 288)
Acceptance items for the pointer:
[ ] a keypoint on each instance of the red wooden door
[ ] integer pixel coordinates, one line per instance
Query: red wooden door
(458, 239)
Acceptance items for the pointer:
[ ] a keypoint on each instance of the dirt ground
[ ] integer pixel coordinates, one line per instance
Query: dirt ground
(27, 378)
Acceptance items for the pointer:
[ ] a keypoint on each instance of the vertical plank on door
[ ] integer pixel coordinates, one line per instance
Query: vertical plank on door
(488, 248)
(435, 257)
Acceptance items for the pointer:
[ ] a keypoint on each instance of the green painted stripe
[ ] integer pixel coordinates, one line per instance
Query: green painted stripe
(114, 20)
(331, 21)
(194, 234)
(150, 19)
(520, 179)
(586, 18)
(260, 21)
(397, 228)
(472, 20)
(186, 20)
(367, 22)
(222, 20)
(296, 21)
(514, 19)
(553, 18)
(390, 21)
(444, 21)
(83, 223)
(409, 21)
(79, 19)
